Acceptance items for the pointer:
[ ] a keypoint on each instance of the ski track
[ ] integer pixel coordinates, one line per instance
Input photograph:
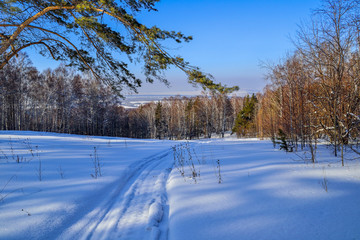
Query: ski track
(137, 208)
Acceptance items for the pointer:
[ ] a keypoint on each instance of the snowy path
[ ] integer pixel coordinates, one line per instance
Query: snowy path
(135, 209)
(264, 193)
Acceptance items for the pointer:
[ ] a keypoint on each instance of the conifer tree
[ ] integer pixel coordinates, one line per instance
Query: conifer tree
(100, 36)
(283, 142)
(244, 122)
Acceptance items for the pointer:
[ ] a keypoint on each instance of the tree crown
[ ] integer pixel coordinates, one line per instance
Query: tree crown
(95, 36)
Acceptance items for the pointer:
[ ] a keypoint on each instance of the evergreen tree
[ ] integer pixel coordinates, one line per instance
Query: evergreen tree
(282, 141)
(244, 122)
(92, 36)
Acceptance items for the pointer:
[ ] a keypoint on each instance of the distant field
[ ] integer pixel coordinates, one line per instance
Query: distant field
(134, 101)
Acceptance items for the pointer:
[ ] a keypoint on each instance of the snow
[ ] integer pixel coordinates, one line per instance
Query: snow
(264, 193)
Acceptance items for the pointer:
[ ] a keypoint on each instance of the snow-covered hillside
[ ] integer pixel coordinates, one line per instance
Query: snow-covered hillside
(58, 186)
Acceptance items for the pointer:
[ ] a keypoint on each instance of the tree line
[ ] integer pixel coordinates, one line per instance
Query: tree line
(57, 100)
(61, 100)
(192, 118)
(315, 93)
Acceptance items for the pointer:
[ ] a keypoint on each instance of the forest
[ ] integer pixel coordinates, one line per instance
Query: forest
(279, 162)
(313, 94)
(63, 101)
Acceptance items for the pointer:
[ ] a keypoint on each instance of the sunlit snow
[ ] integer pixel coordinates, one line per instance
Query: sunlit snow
(264, 193)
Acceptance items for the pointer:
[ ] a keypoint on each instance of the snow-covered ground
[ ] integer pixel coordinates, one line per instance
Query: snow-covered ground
(151, 189)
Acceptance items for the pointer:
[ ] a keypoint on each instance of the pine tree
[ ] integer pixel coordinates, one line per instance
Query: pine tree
(244, 122)
(94, 36)
(282, 141)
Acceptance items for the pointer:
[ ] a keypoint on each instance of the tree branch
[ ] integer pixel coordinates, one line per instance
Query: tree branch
(15, 51)
(22, 26)
(65, 39)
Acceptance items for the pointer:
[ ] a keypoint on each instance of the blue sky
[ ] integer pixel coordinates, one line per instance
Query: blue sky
(231, 38)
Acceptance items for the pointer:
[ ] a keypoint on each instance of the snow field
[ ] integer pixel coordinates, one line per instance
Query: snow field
(264, 193)
(78, 206)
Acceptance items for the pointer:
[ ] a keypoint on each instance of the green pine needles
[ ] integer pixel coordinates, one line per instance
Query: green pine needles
(244, 123)
(283, 142)
(102, 37)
